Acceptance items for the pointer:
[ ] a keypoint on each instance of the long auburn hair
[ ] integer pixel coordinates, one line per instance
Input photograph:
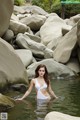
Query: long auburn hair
(45, 75)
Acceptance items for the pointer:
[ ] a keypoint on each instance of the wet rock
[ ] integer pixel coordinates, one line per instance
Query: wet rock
(6, 102)
(19, 87)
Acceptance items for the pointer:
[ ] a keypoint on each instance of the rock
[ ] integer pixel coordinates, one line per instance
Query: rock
(24, 42)
(60, 116)
(25, 56)
(34, 10)
(18, 9)
(73, 64)
(33, 37)
(51, 14)
(14, 17)
(48, 53)
(73, 20)
(6, 102)
(21, 16)
(34, 21)
(51, 29)
(6, 9)
(3, 80)
(66, 29)
(12, 69)
(64, 48)
(37, 34)
(17, 27)
(52, 45)
(78, 32)
(54, 68)
(8, 36)
(19, 87)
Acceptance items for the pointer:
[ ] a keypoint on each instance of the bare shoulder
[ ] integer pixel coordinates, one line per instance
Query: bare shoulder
(33, 80)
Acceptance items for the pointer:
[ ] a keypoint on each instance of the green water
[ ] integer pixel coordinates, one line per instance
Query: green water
(68, 102)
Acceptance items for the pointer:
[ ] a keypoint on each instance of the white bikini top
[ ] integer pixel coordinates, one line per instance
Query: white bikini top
(38, 87)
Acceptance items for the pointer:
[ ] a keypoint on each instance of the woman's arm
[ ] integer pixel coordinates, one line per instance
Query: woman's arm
(51, 91)
(28, 91)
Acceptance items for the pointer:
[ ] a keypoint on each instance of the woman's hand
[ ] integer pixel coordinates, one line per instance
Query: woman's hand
(56, 97)
(19, 99)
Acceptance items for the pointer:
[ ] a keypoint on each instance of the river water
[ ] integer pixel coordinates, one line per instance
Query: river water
(68, 102)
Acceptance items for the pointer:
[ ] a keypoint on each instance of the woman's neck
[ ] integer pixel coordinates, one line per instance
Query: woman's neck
(41, 78)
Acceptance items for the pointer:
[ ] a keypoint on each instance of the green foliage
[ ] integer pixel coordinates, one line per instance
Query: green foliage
(72, 9)
(46, 4)
(55, 6)
(19, 2)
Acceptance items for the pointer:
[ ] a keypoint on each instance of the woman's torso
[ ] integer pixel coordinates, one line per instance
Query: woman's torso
(41, 88)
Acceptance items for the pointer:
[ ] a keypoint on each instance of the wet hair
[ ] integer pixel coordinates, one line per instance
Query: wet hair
(45, 75)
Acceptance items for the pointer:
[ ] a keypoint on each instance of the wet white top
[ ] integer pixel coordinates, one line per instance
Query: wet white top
(38, 87)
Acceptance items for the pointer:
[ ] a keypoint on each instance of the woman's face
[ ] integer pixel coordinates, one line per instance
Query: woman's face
(41, 71)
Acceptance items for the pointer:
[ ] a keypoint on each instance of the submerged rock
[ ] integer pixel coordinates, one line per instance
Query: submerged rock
(6, 102)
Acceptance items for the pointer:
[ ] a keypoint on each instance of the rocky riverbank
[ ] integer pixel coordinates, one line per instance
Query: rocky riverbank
(39, 37)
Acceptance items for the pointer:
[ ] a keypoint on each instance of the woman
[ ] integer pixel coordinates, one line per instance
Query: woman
(41, 83)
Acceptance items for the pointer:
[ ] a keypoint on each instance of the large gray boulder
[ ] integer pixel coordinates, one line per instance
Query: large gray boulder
(25, 56)
(52, 45)
(64, 49)
(17, 27)
(34, 21)
(66, 30)
(14, 17)
(73, 20)
(52, 29)
(24, 42)
(73, 64)
(9, 35)
(34, 10)
(6, 9)
(33, 37)
(18, 9)
(12, 70)
(54, 68)
(60, 116)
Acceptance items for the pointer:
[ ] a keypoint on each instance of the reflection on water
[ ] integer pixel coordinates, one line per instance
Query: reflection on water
(32, 109)
(42, 109)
